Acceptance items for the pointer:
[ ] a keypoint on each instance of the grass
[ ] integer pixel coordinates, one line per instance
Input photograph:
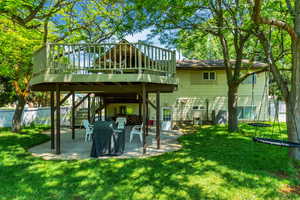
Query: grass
(212, 164)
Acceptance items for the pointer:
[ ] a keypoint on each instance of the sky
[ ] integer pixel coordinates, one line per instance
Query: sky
(143, 36)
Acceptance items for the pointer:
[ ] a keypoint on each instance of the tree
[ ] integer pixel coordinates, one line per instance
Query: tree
(17, 45)
(289, 23)
(56, 21)
(227, 20)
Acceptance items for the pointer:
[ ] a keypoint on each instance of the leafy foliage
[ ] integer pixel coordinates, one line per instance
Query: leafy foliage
(17, 45)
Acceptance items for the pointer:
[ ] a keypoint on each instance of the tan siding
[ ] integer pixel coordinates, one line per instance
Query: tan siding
(196, 94)
(189, 94)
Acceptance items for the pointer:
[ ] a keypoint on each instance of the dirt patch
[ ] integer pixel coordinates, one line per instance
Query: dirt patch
(287, 189)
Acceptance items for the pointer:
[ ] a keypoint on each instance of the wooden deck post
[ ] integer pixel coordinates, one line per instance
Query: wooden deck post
(147, 114)
(52, 120)
(105, 110)
(73, 115)
(144, 118)
(158, 119)
(57, 119)
(140, 109)
(89, 108)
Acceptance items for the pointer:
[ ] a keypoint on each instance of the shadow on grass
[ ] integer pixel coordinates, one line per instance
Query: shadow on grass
(211, 165)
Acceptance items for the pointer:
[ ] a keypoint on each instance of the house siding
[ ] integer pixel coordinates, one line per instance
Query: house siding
(194, 91)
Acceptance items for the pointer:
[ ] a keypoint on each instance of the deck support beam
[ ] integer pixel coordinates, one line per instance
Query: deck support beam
(158, 119)
(140, 109)
(52, 120)
(64, 99)
(147, 114)
(82, 100)
(151, 104)
(73, 115)
(105, 109)
(89, 109)
(144, 117)
(57, 120)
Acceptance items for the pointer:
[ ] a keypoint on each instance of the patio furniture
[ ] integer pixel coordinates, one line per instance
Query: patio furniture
(137, 130)
(88, 130)
(107, 140)
(121, 122)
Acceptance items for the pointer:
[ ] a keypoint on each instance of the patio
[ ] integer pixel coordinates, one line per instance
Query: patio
(79, 149)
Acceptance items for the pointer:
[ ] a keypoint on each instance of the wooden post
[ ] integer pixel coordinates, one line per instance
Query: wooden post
(52, 120)
(147, 114)
(73, 115)
(158, 119)
(207, 105)
(140, 109)
(105, 110)
(57, 120)
(89, 108)
(144, 118)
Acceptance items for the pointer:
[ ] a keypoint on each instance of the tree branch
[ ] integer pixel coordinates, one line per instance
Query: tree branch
(273, 67)
(244, 76)
(258, 19)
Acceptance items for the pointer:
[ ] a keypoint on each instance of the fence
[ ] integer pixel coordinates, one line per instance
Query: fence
(34, 115)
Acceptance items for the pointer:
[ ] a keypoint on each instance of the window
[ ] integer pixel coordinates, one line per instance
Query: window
(195, 107)
(250, 79)
(246, 112)
(209, 75)
(198, 108)
(167, 114)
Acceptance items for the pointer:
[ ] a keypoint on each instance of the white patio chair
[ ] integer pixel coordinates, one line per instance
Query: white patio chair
(121, 122)
(88, 130)
(137, 130)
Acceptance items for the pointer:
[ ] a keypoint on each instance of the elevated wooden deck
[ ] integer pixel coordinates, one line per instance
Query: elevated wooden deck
(104, 67)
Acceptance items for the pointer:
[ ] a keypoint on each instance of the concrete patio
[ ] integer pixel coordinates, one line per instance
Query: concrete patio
(79, 149)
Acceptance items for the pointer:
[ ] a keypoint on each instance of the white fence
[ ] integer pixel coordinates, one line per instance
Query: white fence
(281, 111)
(34, 115)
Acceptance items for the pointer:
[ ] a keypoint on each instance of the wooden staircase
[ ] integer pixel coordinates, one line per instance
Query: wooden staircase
(82, 113)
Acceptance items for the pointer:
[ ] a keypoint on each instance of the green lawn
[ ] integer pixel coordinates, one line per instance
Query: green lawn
(211, 165)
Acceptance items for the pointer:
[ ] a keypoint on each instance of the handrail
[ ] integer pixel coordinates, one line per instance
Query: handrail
(87, 44)
(57, 58)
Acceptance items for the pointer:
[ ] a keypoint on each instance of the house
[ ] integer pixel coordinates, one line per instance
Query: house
(142, 82)
(201, 94)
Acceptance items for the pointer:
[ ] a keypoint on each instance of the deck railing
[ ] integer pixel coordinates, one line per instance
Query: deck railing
(104, 58)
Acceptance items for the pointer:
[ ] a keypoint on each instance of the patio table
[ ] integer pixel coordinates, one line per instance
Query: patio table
(107, 141)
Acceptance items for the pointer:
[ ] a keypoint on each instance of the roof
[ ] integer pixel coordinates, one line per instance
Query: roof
(215, 64)
(123, 49)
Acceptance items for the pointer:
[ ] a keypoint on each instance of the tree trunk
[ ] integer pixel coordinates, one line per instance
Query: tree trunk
(17, 118)
(292, 130)
(293, 103)
(232, 108)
